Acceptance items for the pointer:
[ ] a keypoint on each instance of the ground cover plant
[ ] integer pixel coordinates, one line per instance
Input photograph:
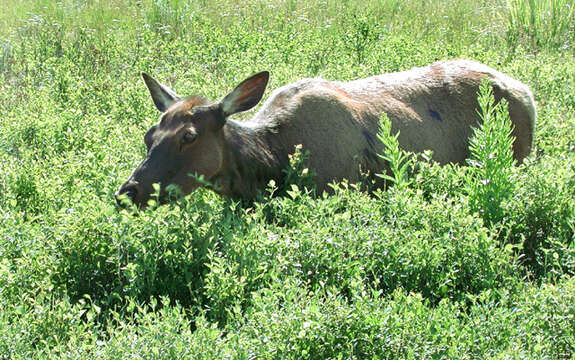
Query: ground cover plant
(471, 261)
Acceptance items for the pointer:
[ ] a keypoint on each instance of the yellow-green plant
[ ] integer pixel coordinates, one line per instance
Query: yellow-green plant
(399, 161)
(490, 177)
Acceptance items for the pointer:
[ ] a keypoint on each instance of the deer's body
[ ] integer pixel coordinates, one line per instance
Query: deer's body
(433, 107)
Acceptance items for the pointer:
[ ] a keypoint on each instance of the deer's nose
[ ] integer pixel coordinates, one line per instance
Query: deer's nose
(129, 190)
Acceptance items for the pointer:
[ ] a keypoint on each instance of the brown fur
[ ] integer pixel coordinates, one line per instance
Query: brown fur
(433, 107)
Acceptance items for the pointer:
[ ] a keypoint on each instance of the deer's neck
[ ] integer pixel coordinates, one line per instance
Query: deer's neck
(252, 158)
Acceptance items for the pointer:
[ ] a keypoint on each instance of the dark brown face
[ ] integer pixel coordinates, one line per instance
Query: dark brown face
(188, 143)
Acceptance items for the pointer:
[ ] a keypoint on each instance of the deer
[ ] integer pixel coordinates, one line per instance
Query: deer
(196, 143)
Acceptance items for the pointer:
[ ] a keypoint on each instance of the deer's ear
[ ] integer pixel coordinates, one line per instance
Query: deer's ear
(246, 95)
(162, 95)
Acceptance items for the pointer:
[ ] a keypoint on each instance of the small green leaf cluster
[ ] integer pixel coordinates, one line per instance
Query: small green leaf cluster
(398, 161)
(298, 174)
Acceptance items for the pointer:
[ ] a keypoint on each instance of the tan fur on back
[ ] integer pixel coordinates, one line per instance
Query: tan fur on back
(433, 107)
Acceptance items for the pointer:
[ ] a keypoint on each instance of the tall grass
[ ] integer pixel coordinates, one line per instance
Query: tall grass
(542, 23)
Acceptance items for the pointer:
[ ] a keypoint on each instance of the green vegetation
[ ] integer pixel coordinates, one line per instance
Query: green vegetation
(490, 178)
(448, 262)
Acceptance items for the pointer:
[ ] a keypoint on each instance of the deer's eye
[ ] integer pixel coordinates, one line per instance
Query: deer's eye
(189, 137)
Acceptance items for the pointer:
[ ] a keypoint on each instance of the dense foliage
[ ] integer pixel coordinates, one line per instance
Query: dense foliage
(464, 262)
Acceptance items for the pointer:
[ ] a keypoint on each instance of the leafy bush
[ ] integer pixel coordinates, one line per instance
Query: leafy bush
(400, 241)
(541, 217)
(288, 322)
(164, 253)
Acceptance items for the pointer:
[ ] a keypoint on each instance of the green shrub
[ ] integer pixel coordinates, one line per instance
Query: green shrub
(401, 241)
(541, 217)
(109, 255)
